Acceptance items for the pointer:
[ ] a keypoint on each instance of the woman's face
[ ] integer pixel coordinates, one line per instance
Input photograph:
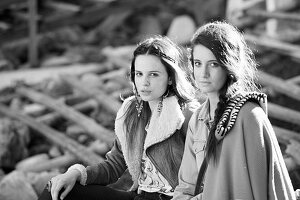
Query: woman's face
(151, 77)
(209, 75)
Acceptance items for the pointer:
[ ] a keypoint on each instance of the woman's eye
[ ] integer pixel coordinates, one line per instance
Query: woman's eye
(197, 64)
(153, 74)
(213, 64)
(138, 74)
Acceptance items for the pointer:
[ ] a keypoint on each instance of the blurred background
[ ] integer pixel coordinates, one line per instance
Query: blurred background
(64, 64)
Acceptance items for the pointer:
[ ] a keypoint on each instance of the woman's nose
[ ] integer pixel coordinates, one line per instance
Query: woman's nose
(146, 81)
(205, 71)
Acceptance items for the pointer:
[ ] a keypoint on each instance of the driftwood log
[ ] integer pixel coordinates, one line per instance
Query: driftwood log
(273, 44)
(279, 85)
(83, 106)
(275, 14)
(56, 137)
(34, 76)
(93, 128)
(283, 113)
(111, 104)
(285, 135)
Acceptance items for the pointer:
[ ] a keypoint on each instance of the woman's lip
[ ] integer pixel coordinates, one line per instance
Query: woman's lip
(145, 91)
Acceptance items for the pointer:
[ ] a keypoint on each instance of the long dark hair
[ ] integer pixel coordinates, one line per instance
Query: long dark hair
(229, 47)
(176, 63)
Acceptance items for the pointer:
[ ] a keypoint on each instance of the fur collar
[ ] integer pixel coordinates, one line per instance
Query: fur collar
(233, 108)
(161, 126)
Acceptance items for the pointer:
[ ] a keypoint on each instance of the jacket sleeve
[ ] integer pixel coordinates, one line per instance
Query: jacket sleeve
(267, 170)
(109, 170)
(188, 171)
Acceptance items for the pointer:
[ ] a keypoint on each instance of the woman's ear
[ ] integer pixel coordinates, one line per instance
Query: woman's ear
(232, 78)
(170, 81)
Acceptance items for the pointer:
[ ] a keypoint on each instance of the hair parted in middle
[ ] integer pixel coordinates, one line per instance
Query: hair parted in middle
(229, 47)
(175, 61)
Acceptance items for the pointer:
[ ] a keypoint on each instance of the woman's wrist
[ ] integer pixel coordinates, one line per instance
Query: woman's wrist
(82, 176)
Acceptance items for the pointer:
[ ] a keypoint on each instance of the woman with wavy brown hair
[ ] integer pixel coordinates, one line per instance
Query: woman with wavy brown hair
(150, 127)
(231, 151)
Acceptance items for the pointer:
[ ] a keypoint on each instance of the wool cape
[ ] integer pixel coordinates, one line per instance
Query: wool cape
(249, 163)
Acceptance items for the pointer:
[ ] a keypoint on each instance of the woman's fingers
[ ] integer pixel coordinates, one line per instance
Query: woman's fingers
(66, 191)
(57, 185)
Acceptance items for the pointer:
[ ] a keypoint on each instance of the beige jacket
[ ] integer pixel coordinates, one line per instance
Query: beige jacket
(250, 164)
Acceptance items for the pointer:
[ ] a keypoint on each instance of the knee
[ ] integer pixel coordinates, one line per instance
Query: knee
(46, 195)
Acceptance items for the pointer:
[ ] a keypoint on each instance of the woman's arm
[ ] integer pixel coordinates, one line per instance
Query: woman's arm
(188, 171)
(109, 170)
(267, 171)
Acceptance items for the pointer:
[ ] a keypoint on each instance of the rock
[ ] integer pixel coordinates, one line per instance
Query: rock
(14, 137)
(56, 87)
(2, 174)
(91, 80)
(78, 133)
(29, 163)
(16, 181)
(39, 180)
(149, 25)
(98, 147)
(34, 109)
(182, 29)
(55, 151)
(111, 86)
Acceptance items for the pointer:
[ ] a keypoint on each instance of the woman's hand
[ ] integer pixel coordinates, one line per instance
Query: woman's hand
(64, 181)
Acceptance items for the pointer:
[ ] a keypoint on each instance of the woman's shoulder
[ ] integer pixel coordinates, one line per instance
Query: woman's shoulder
(125, 105)
(190, 108)
(252, 109)
(245, 105)
(127, 101)
(194, 114)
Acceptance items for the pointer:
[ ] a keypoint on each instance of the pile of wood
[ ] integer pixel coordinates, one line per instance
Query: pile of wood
(65, 119)
(62, 112)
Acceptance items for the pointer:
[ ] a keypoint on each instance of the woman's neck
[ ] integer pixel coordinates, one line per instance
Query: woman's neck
(153, 105)
(213, 102)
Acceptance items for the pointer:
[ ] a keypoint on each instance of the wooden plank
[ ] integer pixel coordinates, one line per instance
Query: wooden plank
(89, 15)
(279, 85)
(32, 23)
(4, 26)
(54, 163)
(105, 100)
(90, 125)
(274, 14)
(120, 73)
(279, 46)
(6, 3)
(53, 116)
(34, 76)
(54, 136)
(5, 98)
(63, 6)
(283, 113)
(271, 24)
(294, 80)
(285, 135)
